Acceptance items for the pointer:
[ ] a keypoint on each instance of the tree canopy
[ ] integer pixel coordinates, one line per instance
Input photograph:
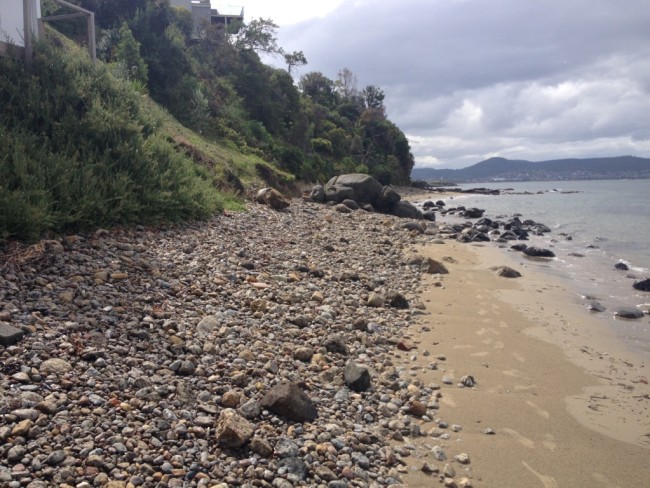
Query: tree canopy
(212, 80)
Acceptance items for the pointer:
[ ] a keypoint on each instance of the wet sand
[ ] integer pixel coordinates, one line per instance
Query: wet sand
(569, 405)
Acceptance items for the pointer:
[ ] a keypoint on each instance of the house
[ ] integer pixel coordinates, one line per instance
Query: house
(203, 13)
(16, 18)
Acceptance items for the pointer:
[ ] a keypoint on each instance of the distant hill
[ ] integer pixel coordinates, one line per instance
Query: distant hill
(502, 169)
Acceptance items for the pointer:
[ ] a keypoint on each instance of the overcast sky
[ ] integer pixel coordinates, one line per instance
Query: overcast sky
(470, 79)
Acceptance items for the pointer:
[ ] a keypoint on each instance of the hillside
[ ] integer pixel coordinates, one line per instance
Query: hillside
(501, 169)
(171, 122)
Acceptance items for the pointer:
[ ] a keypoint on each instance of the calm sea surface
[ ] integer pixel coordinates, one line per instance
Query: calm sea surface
(608, 221)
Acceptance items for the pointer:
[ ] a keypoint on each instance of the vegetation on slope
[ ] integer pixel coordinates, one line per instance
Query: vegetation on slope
(83, 145)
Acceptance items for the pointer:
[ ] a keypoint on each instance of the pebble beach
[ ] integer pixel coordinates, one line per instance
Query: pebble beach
(305, 347)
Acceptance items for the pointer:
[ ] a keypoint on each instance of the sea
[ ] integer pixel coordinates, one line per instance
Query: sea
(594, 225)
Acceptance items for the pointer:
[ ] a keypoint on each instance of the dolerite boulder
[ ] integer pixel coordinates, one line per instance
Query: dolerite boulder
(232, 429)
(643, 285)
(629, 313)
(622, 266)
(366, 188)
(272, 197)
(406, 210)
(338, 193)
(357, 377)
(387, 198)
(538, 252)
(517, 247)
(473, 213)
(506, 272)
(289, 401)
(429, 215)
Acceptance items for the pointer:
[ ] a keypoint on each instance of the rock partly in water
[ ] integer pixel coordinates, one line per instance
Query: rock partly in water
(643, 285)
(538, 252)
(628, 313)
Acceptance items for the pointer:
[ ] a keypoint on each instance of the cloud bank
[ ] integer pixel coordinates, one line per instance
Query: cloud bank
(470, 79)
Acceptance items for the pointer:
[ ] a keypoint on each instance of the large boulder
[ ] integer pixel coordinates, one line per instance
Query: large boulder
(338, 193)
(387, 198)
(366, 188)
(406, 210)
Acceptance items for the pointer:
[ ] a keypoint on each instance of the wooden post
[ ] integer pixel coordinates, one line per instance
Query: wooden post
(92, 49)
(28, 30)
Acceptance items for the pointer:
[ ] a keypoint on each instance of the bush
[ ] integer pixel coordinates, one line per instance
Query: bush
(78, 152)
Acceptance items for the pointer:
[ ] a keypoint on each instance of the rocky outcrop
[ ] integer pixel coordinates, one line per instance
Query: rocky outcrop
(366, 193)
(366, 189)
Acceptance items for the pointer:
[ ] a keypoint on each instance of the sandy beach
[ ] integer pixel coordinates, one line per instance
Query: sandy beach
(567, 402)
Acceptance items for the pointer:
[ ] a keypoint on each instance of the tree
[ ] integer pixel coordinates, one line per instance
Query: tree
(319, 88)
(347, 83)
(258, 35)
(294, 60)
(128, 53)
(374, 97)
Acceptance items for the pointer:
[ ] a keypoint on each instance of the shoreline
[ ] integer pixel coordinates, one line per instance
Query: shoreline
(552, 380)
(540, 389)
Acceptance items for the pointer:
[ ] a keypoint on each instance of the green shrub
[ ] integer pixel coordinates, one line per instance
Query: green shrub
(78, 151)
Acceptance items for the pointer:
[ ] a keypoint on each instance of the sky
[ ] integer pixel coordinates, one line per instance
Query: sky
(471, 79)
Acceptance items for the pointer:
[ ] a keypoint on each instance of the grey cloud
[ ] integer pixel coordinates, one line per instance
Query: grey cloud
(476, 78)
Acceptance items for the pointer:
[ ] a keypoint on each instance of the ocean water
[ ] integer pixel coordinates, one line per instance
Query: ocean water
(608, 222)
